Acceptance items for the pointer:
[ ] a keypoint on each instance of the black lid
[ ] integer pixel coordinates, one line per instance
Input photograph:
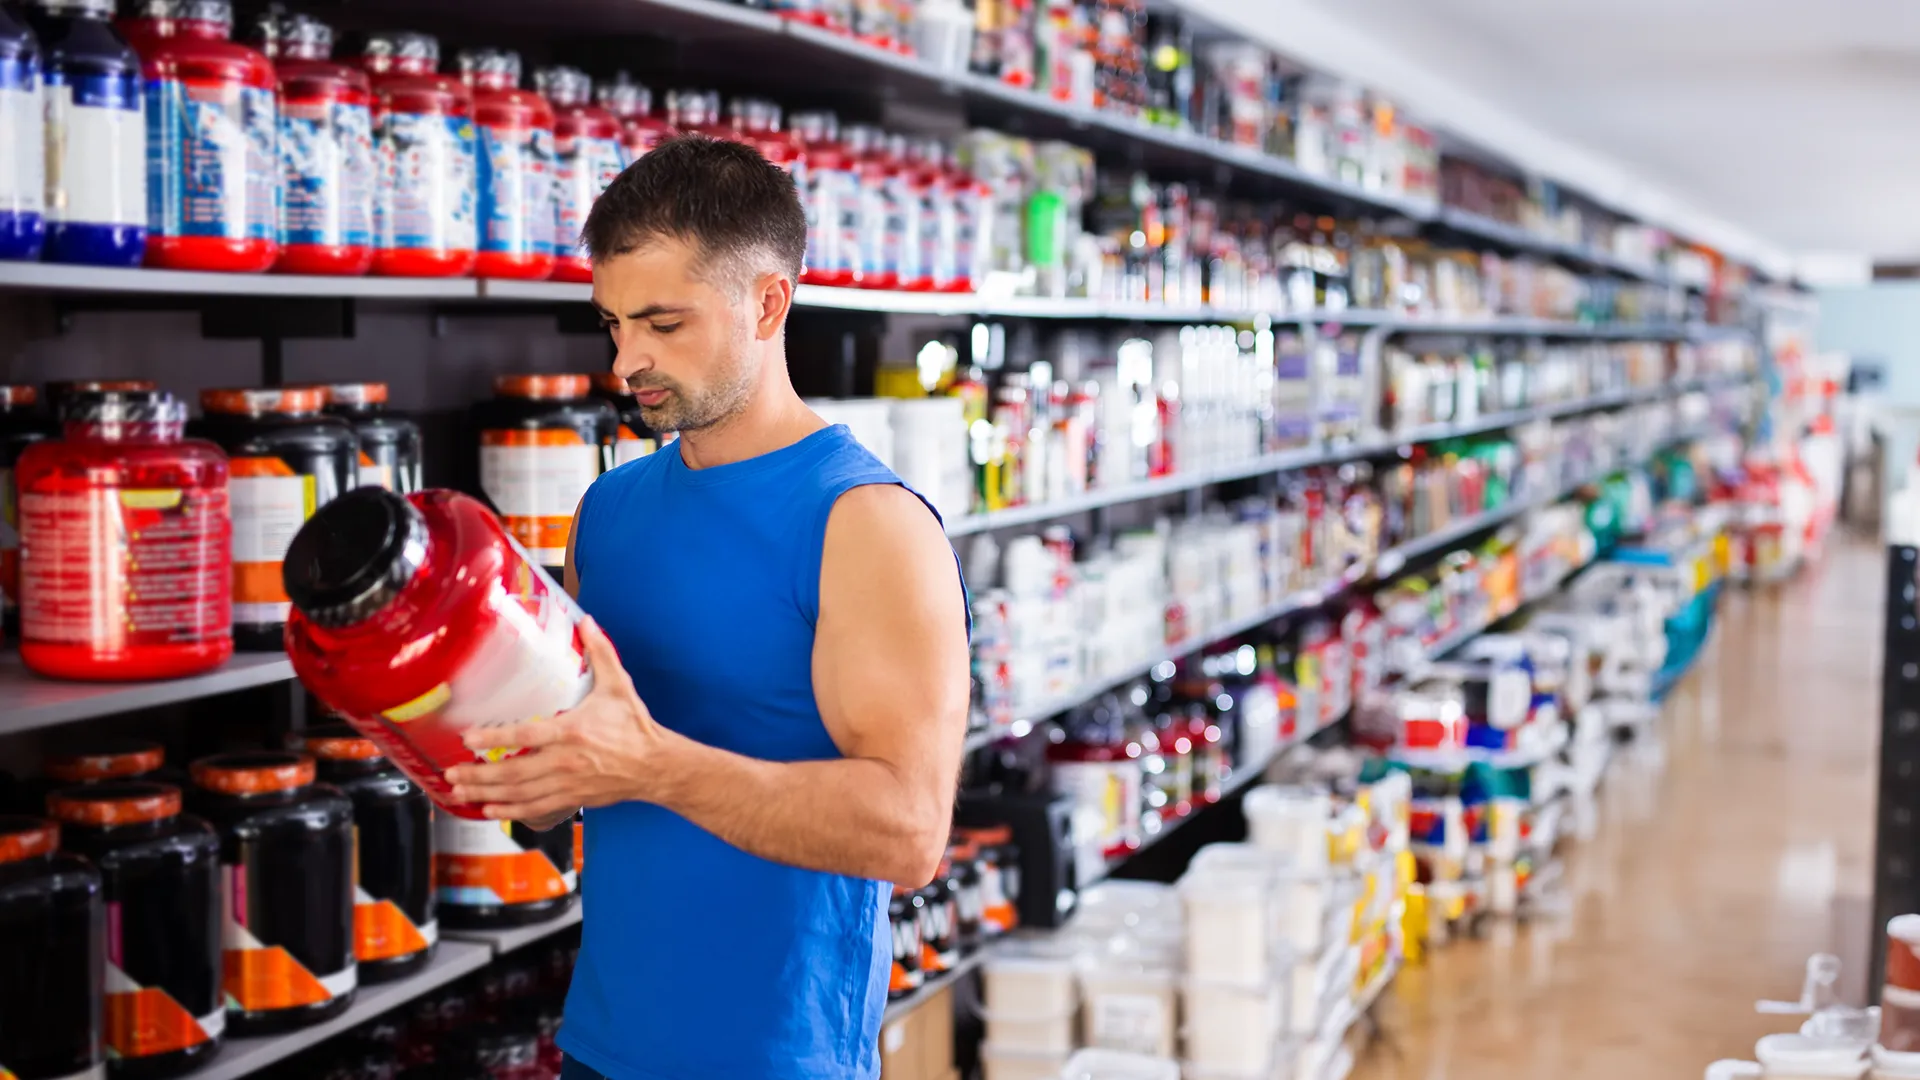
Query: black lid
(353, 556)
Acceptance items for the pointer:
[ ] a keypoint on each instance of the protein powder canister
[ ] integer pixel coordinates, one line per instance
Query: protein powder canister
(97, 761)
(52, 964)
(370, 569)
(213, 170)
(23, 178)
(633, 439)
(96, 136)
(587, 158)
(164, 1009)
(390, 444)
(154, 603)
(327, 167)
(394, 931)
(20, 423)
(286, 898)
(287, 460)
(543, 442)
(906, 912)
(425, 144)
(515, 174)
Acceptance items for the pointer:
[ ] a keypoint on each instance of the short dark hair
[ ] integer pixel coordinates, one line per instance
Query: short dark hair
(721, 196)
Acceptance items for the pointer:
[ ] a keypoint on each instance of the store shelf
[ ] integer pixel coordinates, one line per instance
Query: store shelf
(58, 277)
(506, 941)
(1456, 761)
(246, 1057)
(28, 701)
(1520, 239)
(899, 1009)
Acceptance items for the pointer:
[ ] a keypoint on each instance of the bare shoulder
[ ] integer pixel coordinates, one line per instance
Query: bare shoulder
(882, 538)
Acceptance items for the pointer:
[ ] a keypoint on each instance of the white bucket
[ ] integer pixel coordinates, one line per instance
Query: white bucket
(1098, 1064)
(997, 1063)
(1232, 1029)
(1128, 1008)
(1029, 999)
(1290, 821)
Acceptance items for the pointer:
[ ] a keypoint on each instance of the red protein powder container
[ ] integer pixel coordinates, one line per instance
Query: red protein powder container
(489, 638)
(144, 22)
(286, 870)
(874, 172)
(20, 423)
(515, 168)
(586, 140)
(933, 186)
(326, 151)
(213, 171)
(757, 123)
(632, 104)
(697, 112)
(157, 603)
(830, 191)
(424, 222)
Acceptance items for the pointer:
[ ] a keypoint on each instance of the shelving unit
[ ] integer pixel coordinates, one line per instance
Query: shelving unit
(28, 701)
(933, 986)
(506, 941)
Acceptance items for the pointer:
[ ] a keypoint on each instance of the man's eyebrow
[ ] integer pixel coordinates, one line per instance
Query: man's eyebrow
(649, 312)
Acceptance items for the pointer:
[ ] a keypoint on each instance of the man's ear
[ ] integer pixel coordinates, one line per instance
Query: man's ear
(775, 295)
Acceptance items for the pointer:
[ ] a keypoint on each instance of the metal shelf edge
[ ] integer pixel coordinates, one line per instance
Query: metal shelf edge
(506, 941)
(31, 701)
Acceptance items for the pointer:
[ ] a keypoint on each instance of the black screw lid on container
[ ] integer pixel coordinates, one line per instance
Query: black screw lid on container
(353, 556)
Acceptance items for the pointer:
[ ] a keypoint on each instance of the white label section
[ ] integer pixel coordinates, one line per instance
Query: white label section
(267, 511)
(23, 180)
(380, 476)
(539, 482)
(625, 450)
(1135, 1023)
(96, 162)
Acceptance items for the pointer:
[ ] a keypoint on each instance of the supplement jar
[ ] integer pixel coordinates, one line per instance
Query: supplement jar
(23, 177)
(96, 135)
(213, 173)
(286, 855)
(154, 603)
(287, 460)
(393, 918)
(632, 105)
(424, 199)
(94, 762)
(586, 143)
(831, 195)
(543, 442)
(633, 438)
(145, 20)
(874, 173)
(52, 929)
(373, 568)
(515, 176)
(20, 423)
(161, 870)
(326, 151)
(390, 444)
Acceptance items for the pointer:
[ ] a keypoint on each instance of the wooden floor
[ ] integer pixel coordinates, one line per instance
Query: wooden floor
(1727, 851)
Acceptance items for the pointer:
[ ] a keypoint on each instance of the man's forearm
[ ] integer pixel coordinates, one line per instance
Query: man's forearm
(848, 816)
(550, 822)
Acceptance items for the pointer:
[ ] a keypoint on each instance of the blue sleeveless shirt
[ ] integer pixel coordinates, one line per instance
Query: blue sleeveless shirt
(698, 960)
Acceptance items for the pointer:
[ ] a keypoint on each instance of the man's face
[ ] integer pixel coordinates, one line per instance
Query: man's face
(684, 342)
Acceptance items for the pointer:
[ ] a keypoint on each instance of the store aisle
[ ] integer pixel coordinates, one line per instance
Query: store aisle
(1727, 851)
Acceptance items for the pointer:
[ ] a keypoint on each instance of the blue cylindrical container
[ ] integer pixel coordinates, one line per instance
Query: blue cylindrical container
(23, 178)
(96, 136)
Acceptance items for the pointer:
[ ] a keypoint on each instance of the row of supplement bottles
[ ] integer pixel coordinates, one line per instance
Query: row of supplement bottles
(322, 167)
(254, 903)
(207, 520)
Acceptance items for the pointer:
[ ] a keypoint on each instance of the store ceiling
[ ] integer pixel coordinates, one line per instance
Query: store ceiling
(1790, 118)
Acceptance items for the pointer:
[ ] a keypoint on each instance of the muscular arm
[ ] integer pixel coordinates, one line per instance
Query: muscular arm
(890, 678)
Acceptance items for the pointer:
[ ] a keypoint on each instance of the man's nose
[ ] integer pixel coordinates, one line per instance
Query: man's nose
(631, 359)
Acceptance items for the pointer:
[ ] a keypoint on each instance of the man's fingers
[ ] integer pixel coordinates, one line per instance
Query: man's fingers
(602, 659)
(525, 735)
(533, 809)
(513, 770)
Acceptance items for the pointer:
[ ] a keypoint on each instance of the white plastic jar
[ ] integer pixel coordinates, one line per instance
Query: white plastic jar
(1290, 821)
(1232, 1030)
(1030, 996)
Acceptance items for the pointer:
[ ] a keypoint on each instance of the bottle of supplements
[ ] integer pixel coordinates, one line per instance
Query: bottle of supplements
(588, 158)
(52, 933)
(96, 135)
(23, 176)
(424, 147)
(326, 151)
(515, 178)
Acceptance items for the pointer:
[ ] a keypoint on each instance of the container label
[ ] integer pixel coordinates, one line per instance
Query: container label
(96, 150)
(327, 166)
(516, 190)
(536, 479)
(584, 168)
(119, 569)
(844, 191)
(373, 473)
(901, 248)
(479, 863)
(211, 163)
(381, 931)
(973, 236)
(939, 237)
(868, 241)
(629, 447)
(270, 503)
(1134, 1023)
(142, 1021)
(23, 181)
(260, 977)
(424, 200)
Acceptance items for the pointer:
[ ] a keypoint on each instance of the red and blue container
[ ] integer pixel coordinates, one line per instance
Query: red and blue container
(326, 151)
(213, 172)
(425, 145)
(515, 174)
(23, 176)
(96, 138)
(632, 105)
(586, 140)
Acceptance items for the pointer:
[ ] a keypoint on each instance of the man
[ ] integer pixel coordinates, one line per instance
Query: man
(780, 691)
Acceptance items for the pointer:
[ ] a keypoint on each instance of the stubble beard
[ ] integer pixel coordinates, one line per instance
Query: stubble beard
(683, 411)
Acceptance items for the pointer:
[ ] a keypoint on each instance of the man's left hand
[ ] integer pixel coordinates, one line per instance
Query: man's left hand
(595, 754)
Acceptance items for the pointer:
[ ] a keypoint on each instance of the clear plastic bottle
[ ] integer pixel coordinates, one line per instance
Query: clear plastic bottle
(587, 156)
(425, 146)
(23, 174)
(515, 174)
(873, 170)
(632, 104)
(831, 193)
(96, 136)
(213, 170)
(156, 605)
(326, 151)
